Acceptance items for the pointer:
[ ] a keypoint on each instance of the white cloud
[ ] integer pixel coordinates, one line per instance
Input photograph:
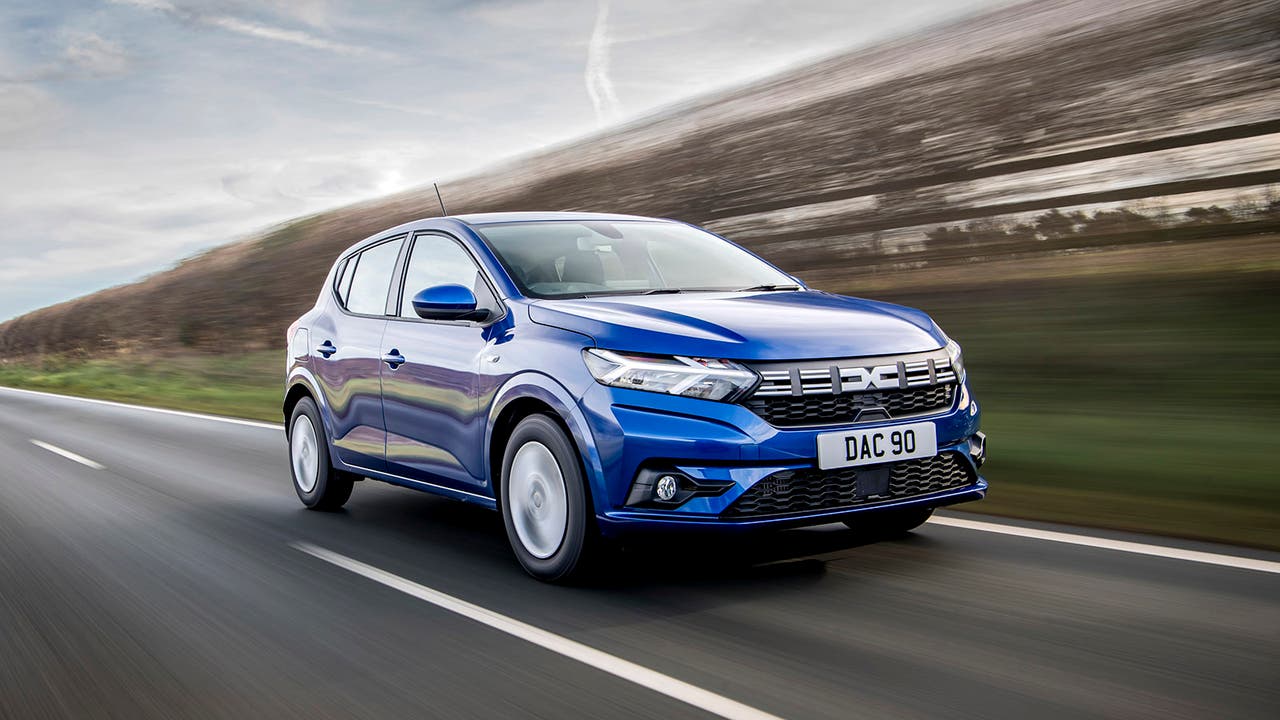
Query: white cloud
(24, 108)
(96, 55)
(162, 5)
(267, 32)
(310, 12)
(599, 84)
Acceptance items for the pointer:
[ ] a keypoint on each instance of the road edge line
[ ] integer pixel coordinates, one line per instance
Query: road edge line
(1134, 548)
(148, 408)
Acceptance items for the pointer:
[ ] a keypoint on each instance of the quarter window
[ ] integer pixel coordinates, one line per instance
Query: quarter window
(342, 279)
(372, 278)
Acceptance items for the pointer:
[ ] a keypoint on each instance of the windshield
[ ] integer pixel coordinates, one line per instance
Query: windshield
(580, 259)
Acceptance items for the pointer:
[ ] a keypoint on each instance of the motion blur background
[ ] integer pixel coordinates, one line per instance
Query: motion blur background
(1085, 194)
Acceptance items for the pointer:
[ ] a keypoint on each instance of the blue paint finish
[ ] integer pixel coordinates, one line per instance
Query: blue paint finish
(444, 301)
(429, 421)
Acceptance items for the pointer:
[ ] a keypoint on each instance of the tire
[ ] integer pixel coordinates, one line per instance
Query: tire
(545, 504)
(320, 486)
(889, 523)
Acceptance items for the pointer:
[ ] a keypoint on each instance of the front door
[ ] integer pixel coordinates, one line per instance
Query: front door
(435, 428)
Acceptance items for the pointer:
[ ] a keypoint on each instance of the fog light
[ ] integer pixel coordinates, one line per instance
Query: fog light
(978, 448)
(667, 488)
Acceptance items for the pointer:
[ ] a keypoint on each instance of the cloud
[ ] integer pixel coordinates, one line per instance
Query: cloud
(252, 29)
(267, 32)
(85, 54)
(599, 84)
(95, 55)
(24, 108)
(397, 107)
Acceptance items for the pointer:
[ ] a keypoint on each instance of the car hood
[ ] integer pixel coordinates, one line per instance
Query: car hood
(744, 326)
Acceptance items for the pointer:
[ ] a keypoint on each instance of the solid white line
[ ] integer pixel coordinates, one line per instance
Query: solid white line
(1172, 553)
(68, 454)
(625, 669)
(164, 411)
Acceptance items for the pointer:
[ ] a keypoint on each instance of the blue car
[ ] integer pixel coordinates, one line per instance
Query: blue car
(592, 376)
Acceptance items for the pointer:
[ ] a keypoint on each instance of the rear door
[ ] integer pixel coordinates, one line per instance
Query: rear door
(435, 430)
(348, 357)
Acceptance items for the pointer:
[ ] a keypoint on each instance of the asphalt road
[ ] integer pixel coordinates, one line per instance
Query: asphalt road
(163, 579)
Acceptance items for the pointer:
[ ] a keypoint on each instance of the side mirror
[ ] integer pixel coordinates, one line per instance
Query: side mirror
(448, 302)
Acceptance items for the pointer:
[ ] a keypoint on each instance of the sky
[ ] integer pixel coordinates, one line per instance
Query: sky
(134, 133)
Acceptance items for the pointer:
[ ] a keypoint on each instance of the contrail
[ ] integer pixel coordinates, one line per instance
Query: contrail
(599, 86)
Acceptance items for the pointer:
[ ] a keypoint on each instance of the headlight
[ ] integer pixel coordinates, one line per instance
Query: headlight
(691, 377)
(957, 359)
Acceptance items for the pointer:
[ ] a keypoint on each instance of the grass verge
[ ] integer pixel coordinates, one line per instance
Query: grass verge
(248, 386)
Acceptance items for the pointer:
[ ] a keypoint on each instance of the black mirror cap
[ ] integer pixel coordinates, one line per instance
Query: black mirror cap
(473, 315)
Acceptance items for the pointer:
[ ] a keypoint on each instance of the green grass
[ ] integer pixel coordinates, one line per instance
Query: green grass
(1145, 404)
(1136, 404)
(248, 386)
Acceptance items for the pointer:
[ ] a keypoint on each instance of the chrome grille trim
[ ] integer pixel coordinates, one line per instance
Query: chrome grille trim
(908, 371)
(849, 391)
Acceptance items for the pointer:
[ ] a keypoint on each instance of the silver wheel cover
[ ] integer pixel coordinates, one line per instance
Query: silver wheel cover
(539, 503)
(304, 451)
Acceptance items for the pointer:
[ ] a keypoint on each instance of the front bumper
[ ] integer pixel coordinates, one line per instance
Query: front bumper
(722, 444)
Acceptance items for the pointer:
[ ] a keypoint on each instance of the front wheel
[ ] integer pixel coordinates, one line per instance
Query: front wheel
(320, 486)
(889, 523)
(545, 505)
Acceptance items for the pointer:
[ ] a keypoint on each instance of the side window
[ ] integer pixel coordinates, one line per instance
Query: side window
(438, 260)
(342, 279)
(344, 290)
(372, 278)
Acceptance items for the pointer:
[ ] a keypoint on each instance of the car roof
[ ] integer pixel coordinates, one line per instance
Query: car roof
(517, 217)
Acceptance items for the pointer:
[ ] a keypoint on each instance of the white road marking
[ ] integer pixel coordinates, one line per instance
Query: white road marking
(598, 659)
(164, 411)
(1163, 551)
(68, 454)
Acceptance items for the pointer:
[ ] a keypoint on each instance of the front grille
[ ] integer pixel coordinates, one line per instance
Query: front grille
(831, 392)
(811, 489)
(792, 411)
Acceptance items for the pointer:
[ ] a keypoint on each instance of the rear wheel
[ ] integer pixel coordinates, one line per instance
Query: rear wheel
(545, 505)
(320, 486)
(889, 523)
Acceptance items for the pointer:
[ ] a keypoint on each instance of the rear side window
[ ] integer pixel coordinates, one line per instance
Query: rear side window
(342, 279)
(371, 278)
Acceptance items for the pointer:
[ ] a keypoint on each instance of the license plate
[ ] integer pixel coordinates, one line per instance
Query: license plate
(878, 445)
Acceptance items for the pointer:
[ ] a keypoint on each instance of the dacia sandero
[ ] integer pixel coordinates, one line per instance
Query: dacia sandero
(591, 376)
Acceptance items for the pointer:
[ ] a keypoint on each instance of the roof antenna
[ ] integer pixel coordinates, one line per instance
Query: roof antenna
(442, 210)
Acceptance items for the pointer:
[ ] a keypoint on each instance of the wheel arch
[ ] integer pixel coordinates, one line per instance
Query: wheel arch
(298, 386)
(534, 393)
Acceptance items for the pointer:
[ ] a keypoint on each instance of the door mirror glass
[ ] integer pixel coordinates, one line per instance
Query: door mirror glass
(448, 302)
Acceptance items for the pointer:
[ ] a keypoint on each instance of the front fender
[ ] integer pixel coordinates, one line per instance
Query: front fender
(546, 389)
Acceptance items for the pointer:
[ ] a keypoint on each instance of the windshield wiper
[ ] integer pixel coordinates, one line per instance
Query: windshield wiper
(662, 291)
(768, 288)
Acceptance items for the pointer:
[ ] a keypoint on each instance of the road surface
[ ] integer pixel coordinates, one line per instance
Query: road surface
(159, 565)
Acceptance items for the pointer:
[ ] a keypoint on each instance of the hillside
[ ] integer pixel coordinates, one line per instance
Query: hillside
(836, 167)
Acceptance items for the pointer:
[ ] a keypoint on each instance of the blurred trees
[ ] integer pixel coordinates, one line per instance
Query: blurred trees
(1057, 225)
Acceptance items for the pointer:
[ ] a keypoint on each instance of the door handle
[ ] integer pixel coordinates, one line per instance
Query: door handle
(393, 359)
(327, 349)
